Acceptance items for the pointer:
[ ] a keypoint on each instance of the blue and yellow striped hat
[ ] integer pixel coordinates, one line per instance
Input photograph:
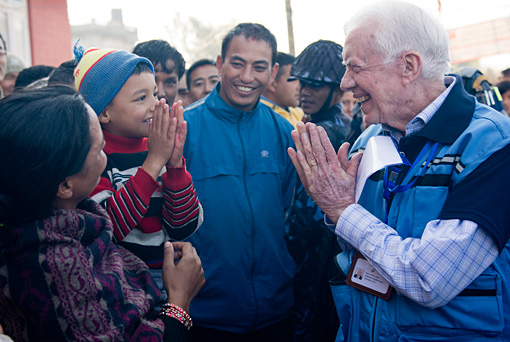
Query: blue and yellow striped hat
(101, 73)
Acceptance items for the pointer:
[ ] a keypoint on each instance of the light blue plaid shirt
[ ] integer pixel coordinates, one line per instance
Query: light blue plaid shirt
(433, 269)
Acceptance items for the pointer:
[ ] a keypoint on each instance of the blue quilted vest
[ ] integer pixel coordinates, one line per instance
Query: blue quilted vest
(482, 311)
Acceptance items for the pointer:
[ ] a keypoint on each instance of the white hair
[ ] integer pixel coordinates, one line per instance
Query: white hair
(402, 27)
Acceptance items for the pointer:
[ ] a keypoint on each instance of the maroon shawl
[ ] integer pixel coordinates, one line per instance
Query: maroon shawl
(62, 278)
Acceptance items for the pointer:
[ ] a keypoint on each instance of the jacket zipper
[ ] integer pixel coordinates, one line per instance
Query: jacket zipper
(248, 199)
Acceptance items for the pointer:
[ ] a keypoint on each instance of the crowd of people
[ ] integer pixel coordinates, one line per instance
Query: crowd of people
(143, 201)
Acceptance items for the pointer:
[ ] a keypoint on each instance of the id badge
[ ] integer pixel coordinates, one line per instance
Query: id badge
(363, 276)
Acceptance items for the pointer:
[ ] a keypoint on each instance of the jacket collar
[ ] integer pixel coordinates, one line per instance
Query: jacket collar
(452, 118)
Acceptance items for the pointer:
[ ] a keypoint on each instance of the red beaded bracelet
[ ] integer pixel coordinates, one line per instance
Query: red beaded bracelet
(175, 311)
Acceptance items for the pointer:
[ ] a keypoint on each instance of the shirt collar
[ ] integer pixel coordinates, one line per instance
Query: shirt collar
(454, 112)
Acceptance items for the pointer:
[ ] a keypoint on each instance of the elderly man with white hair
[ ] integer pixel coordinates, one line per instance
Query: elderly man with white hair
(425, 250)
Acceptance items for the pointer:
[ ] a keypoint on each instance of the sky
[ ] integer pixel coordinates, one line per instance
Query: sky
(312, 20)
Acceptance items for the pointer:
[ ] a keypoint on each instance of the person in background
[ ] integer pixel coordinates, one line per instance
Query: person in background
(505, 75)
(348, 103)
(14, 66)
(3, 61)
(201, 78)
(433, 230)
(169, 66)
(235, 151)
(319, 70)
(504, 90)
(61, 276)
(183, 92)
(145, 187)
(281, 94)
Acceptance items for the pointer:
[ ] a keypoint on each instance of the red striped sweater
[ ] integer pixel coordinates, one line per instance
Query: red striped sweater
(145, 213)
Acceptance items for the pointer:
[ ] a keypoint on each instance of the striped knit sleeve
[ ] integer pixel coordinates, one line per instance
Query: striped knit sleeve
(182, 212)
(127, 205)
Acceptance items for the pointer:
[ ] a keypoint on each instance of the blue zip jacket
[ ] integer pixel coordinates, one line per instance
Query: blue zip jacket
(470, 136)
(245, 181)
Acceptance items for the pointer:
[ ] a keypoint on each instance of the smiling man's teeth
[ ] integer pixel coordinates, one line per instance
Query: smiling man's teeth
(244, 88)
(362, 99)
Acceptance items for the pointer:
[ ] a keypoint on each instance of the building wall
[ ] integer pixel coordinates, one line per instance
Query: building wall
(473, 42)
(14, 28)
(113, 35)
(50, 32)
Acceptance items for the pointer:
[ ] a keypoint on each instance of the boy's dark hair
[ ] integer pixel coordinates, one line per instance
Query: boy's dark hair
(159, 52)
(63, 74)
(283, 59)
(32, 74)
(141, 68)
(197, 64)
(45, 139)
(250, 30)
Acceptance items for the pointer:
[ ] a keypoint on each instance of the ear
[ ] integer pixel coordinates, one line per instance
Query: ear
(65, 189)
(104, 117)
(219, 64)
(271, 87)
(412, 66)
(276, 66)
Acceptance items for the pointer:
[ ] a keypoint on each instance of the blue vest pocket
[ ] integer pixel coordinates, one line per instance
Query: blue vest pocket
(477, 309)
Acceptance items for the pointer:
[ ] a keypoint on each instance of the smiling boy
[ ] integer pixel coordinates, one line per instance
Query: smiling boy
(145, 187)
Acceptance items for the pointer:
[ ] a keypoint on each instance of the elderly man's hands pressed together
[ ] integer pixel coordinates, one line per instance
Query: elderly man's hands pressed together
(329, 179)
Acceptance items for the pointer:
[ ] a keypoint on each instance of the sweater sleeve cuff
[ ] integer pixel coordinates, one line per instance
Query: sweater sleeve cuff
(143, 184)
(176, 178)
(175, 330)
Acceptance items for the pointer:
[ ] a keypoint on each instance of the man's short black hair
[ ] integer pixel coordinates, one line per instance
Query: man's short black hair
(197, 64)
(503, 86)
(250, 30)
(32, 74)
(159, 51)
(283, 59)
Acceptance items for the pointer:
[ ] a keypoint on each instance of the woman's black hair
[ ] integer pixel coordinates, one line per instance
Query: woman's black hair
(63, 74)
(45, 137)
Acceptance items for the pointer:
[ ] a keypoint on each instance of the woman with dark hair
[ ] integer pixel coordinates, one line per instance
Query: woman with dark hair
(61, 277)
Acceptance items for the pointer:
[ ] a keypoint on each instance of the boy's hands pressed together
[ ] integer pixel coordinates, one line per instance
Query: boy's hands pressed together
(161, 140)
(180, 135)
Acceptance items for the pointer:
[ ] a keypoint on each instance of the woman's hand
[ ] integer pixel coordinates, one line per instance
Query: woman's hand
(182, 278)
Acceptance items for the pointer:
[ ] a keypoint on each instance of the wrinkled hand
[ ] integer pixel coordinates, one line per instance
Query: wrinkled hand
(180, 135)
(328, 178)
(184, 278)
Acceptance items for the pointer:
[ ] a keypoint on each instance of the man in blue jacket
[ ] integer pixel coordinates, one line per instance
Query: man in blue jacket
(430, 235)
(236, 152)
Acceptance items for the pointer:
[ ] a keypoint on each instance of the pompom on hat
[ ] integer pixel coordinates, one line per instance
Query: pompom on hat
(101, 73)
